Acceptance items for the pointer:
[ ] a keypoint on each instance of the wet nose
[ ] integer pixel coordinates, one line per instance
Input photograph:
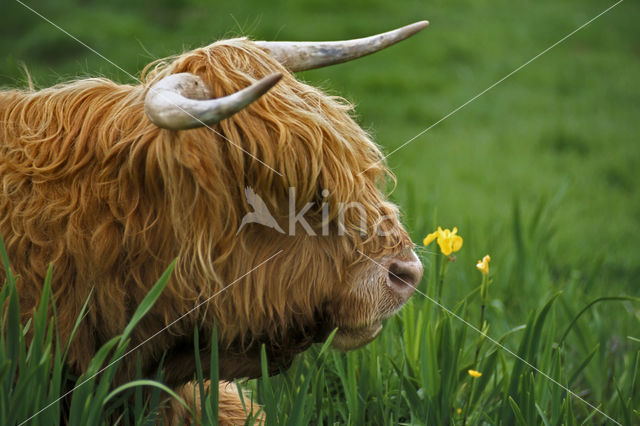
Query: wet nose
(405, 273)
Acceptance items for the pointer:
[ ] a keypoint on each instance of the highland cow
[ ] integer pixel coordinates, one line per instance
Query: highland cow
(111, 182)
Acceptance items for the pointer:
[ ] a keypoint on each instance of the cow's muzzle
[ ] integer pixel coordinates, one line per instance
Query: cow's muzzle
(404, 274)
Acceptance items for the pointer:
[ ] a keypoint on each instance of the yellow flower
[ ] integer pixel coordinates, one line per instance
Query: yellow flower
(475, 374)
(429, 238)
(483, 265)
(448, 240)
(459, 410)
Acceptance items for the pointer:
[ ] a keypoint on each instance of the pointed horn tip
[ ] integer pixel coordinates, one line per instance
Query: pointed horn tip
(266, 83)
(272, 79)
(417, 26)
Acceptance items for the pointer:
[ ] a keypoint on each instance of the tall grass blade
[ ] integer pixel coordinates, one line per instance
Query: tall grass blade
(148, 301)
(586, 308)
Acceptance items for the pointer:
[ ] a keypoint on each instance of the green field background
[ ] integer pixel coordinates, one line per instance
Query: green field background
(542, 169)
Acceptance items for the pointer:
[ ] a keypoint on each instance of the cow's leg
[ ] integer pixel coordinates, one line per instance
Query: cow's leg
(230, 409)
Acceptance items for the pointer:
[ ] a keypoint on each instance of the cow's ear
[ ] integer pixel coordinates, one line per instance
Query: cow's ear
(307, 55)
(182, 101)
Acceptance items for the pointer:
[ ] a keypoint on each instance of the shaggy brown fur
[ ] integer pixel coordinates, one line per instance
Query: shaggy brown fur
(90, 185)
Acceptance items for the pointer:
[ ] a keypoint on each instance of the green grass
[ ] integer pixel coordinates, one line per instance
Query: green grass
(35, 381)
(540, 172)
(533, 372)
(416, 371)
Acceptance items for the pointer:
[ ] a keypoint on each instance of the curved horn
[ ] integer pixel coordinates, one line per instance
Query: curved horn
(306, 55)
(182, 101)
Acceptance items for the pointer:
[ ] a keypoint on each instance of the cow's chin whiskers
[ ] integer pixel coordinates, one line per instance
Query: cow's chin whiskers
(348, 338)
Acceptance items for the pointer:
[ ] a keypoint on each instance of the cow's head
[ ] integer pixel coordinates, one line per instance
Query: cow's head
(240, 141)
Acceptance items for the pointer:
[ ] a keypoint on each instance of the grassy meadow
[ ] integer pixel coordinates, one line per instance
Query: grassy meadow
(540, 172)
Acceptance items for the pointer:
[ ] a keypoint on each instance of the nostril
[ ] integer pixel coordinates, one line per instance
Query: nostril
(399, 275)
(405, 275)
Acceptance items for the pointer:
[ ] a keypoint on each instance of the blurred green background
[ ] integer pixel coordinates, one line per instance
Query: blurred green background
(561, 133)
